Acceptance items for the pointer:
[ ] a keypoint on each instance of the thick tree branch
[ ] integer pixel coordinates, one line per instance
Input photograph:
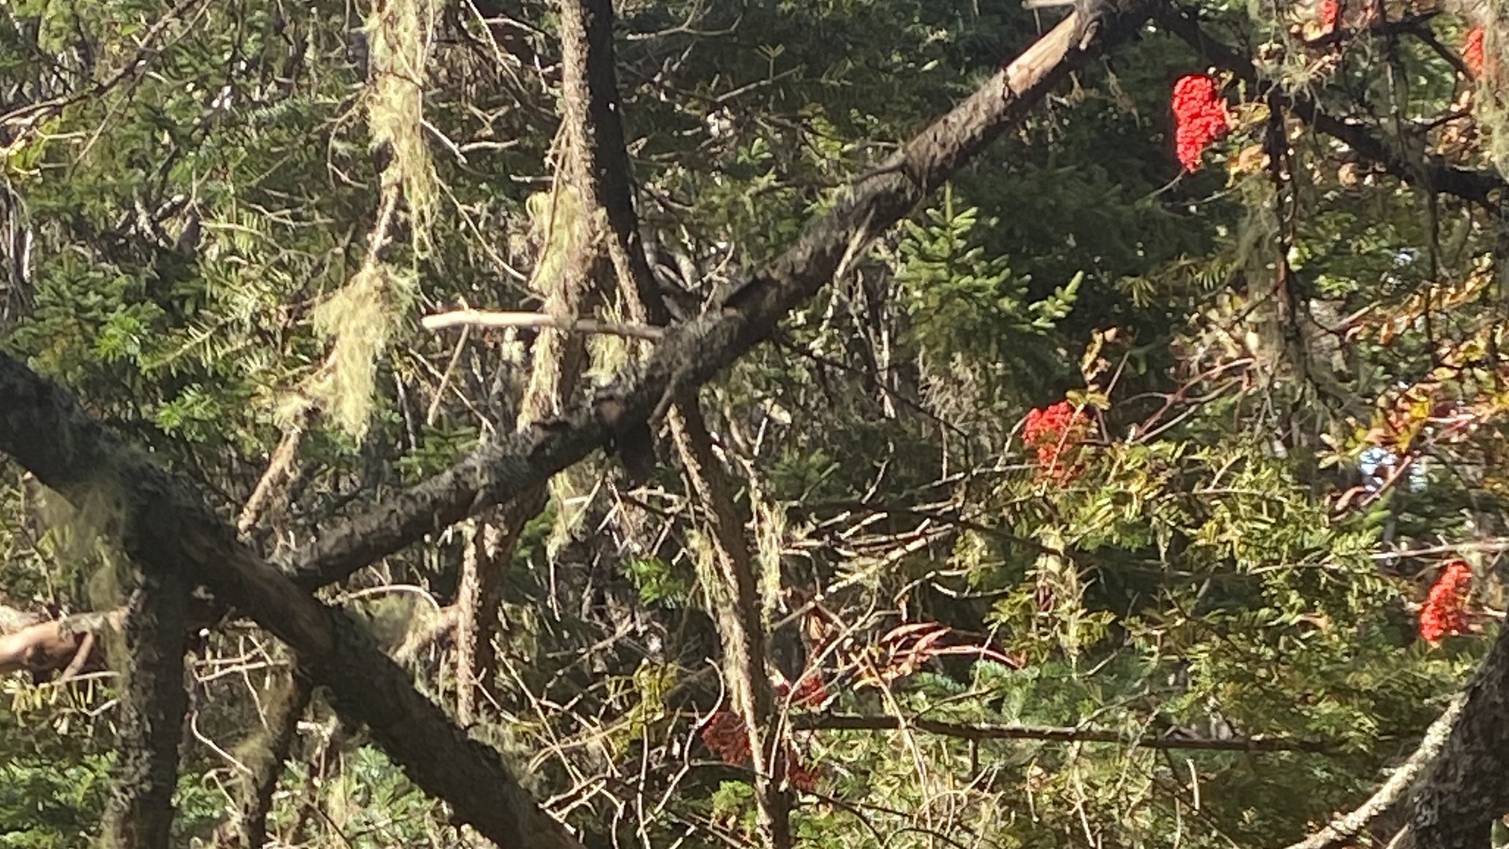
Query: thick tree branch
(693, 353)
(1428, 172)
(146, 772)
(1465, 787)
(164, 526)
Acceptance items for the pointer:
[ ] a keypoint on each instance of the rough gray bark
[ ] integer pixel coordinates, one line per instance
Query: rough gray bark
(140, 815)
(163, 525)
(1466, 786)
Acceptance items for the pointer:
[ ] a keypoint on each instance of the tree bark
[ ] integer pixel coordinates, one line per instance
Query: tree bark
(163, 524)
(140, 814)
(692, 353)
(1466, 786)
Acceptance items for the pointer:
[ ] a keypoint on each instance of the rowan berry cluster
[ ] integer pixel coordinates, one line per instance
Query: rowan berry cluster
(1056, 431)
(727, 737)
(1442, 613)
(1330, 14)
(1472, 51)
(1199, 118)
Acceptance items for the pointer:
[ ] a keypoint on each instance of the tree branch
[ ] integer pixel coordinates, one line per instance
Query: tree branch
(163, 526)
(483, 318)
(694, 352)
(1429, 172)
(1050, 733)
(1345, 830)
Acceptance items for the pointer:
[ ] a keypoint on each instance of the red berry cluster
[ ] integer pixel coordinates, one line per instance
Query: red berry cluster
(1330, 13)
(1472, 51)
(1200, 118)
(1442, 613)
(1055, 431)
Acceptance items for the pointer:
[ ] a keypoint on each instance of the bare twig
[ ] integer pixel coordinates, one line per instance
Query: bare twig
(484, 318)
(1053, 734)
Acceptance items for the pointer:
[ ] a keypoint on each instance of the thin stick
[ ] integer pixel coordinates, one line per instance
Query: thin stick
(481, 318)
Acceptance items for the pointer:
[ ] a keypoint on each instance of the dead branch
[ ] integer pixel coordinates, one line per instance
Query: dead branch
(483, 318)
(588, 62)
(165, 524)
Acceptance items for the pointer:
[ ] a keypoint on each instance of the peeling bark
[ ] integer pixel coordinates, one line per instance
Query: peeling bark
(468, 598)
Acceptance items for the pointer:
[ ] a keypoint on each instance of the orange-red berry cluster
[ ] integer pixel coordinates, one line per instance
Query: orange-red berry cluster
(1442, 613)
(727, 737)
(1055, 431)
(1200, 118)
(1472, 51)
(1330, 14)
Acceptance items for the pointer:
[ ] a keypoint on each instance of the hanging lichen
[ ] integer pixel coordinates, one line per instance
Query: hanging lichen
(399, 34)
(360, 318)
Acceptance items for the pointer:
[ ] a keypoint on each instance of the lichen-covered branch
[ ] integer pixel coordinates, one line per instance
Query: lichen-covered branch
(692, 353)
(588, 70)
(165, 527)
(140, 815)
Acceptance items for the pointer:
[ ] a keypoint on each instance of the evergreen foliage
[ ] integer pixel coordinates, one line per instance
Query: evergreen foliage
(220, 224)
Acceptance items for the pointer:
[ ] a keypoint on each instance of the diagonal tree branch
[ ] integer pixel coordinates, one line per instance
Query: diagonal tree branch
(694, 352)
(164, 526)
(1345, 830)
(1429, 172)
